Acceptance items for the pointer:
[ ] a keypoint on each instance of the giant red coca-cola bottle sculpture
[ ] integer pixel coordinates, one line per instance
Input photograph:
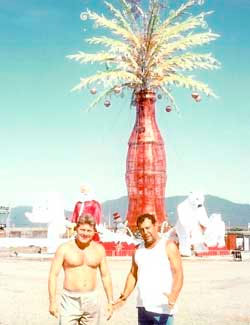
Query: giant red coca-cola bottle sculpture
(146, 51)
(146, 163)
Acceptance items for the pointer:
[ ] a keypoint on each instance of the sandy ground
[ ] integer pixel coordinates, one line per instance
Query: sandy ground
(216, 291)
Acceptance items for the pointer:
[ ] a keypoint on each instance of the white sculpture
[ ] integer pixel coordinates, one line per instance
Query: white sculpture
(215, 232)
(107, 235)
(50, 209)
(120, 226)
(191, 223)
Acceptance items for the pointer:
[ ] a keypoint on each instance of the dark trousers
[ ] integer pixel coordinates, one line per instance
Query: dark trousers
(149, 318)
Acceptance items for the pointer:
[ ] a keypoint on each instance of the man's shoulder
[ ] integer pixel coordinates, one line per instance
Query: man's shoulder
(138, 248)
(67, 245)
(63, 248)
(98, 247)
(171, 246)
(170, 242)
(96, 244)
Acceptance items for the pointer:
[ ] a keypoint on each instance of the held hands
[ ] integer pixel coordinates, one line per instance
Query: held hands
(112, 305)
(53, 310)
(120, 301)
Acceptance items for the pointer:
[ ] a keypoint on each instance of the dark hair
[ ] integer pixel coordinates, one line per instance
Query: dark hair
(142, 217)
(86, 219)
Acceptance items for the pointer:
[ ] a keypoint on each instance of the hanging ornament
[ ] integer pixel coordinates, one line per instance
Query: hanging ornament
(117, 89)
(159, 96)
(198, 99)
(168, 109)
(93, 91)
(107, 103)
(195, 95)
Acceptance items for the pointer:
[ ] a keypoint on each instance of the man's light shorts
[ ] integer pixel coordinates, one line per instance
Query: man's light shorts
(79, 308)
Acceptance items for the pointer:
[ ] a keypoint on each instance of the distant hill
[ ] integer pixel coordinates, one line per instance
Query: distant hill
(233, 214)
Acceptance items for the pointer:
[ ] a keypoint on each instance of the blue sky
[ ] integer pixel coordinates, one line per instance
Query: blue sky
(49, 142)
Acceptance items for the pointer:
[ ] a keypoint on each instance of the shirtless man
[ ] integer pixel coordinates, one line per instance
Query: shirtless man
(80, 259)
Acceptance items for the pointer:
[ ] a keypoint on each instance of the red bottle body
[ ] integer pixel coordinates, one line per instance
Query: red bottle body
(146, 163)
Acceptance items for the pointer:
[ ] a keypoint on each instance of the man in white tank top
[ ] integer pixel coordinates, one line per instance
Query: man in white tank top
(157, 271)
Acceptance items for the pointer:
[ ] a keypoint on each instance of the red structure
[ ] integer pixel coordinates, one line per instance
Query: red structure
(146, 163)
(231, 241)
(118, 249)
(214, 251)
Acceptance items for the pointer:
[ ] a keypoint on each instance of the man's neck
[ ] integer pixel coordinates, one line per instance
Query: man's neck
(82, 245)
(152, 244)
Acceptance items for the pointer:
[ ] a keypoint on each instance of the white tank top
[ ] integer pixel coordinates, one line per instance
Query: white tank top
(154, 278)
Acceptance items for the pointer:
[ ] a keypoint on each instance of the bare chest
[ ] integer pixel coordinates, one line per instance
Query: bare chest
(79, 258)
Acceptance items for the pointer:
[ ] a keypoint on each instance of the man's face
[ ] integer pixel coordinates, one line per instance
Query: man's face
(85, 233)
(148, 231)
(84, 189)
(196, 199)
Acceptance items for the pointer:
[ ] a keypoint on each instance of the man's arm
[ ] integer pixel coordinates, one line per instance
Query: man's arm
(107, 282)
(130, 282)
(106, 277)
(55, 268)
(177, 272)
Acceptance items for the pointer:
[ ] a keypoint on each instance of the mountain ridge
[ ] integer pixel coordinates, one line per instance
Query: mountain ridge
(233, 214)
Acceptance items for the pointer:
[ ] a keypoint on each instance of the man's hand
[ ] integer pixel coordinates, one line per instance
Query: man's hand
(171, 302)
(109, 310)
(53, 310)
(119, 302)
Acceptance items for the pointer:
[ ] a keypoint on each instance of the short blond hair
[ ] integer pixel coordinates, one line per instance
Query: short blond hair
(86, 219)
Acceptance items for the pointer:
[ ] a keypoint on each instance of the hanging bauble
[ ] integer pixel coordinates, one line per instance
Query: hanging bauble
(168, 109)
(107, 103)
(195, 95)
(117, 89)
(159, 96)
(198, 99)
(93, 91)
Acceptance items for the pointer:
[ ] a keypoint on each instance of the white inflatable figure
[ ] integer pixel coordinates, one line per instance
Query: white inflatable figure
(50, 210)
(164, 226)
(120, 226)
(168, 232)
(107, 235)
(127, 230)
(215, 232)
(191, 222)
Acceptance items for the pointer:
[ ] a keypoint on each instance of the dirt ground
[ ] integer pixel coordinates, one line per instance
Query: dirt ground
(216, 291)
